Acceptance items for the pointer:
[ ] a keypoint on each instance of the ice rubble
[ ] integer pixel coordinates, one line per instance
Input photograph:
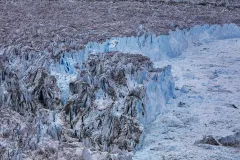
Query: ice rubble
(206, 105)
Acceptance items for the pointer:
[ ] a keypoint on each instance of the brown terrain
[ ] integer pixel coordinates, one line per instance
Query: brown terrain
(38, 23)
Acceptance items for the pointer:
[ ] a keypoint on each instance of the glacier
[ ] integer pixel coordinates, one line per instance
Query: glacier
(155, 47)
(63, 93)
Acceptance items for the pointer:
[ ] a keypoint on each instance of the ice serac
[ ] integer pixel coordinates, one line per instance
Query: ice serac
(114, 97)
(30, 103)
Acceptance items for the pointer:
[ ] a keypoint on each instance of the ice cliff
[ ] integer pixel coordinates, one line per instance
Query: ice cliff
(57, 103)
(155, 47)
(111, 99)
(114, 97)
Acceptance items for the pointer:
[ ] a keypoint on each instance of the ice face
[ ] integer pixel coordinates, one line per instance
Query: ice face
(153, 46)
(115, 97)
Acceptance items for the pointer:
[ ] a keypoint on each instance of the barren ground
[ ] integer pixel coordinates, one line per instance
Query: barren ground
(37, 23)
